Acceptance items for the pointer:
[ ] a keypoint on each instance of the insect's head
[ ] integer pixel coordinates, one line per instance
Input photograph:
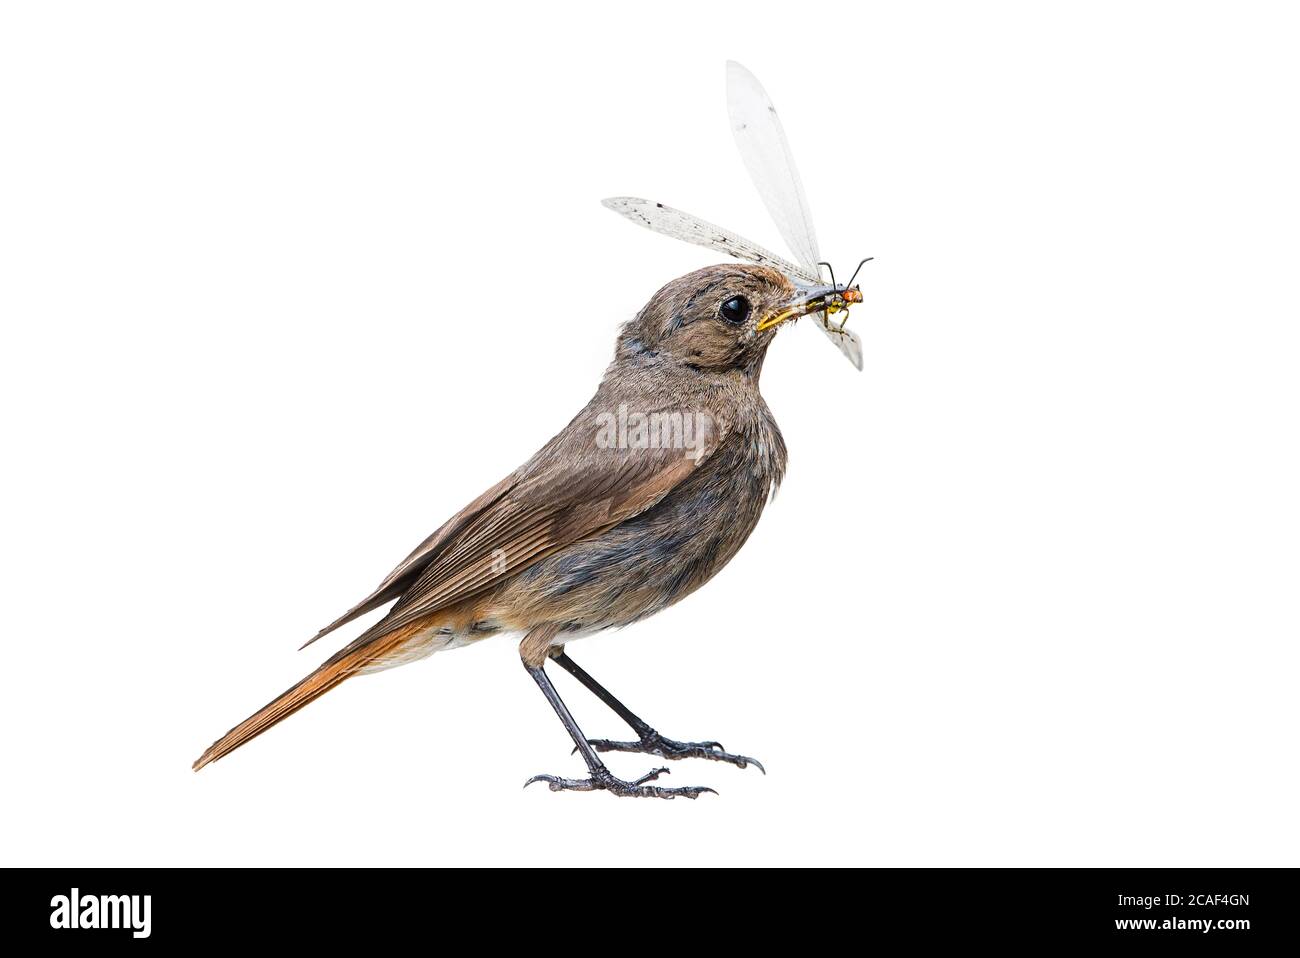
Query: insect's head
(848, 293)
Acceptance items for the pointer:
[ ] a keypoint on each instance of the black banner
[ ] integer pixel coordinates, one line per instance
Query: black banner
(1228, 909)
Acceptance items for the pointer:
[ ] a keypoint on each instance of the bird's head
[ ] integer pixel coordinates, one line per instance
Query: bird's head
(716, 318)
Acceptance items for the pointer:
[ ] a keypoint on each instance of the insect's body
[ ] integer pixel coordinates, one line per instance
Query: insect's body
(839, 302)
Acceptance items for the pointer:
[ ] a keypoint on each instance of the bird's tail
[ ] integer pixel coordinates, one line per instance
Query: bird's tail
(347, 663)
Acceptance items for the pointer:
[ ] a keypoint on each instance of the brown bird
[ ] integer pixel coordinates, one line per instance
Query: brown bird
(643, 497)
(639, 501)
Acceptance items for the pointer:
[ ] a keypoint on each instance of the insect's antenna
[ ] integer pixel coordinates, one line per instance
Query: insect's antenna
(829, 267)
(855, 272)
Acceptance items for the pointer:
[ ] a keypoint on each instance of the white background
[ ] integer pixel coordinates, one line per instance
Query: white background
(285, 285)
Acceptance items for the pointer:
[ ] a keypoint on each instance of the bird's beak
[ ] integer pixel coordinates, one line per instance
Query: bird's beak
(809, 299)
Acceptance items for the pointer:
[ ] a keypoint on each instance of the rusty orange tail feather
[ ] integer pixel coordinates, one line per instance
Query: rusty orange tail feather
(341, 666)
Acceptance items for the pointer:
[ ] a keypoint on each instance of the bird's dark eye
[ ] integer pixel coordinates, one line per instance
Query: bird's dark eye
(735, 310)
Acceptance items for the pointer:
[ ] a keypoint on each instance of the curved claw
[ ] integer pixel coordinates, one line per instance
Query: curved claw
(700, 790)
(556, 783)
(740, 761)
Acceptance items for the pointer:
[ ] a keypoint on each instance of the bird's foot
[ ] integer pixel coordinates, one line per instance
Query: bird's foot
(603, 779)
(652, 743)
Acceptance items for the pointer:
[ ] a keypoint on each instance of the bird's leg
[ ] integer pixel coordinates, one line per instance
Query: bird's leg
(601, 777)
(648, 740)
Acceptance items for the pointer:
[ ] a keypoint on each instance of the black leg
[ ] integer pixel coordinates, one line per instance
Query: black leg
(601, 777)
(648, 740)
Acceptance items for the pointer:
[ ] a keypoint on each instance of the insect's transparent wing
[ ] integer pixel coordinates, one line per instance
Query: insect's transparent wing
(762, 144)
(692, 229)
(846, 341)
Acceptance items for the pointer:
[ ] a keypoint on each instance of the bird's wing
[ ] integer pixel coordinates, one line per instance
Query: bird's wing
(409, 569)
(691, 229)
(576, 486)
(766, 152)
